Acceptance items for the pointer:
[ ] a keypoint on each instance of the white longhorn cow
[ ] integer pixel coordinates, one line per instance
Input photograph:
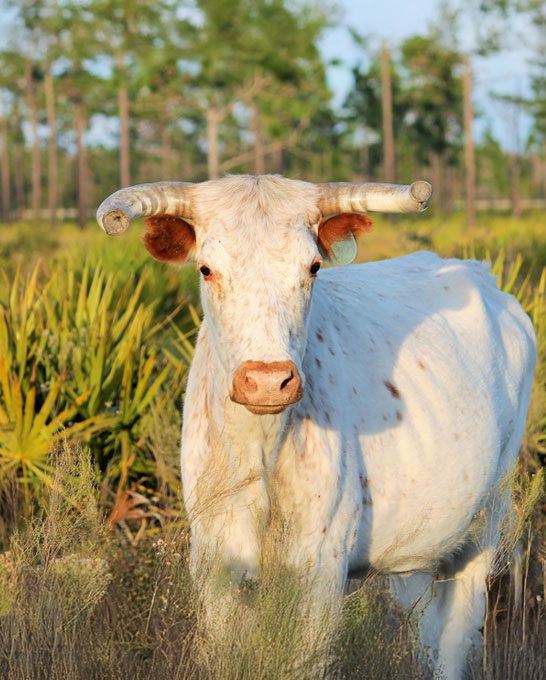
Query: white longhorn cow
(384, 401)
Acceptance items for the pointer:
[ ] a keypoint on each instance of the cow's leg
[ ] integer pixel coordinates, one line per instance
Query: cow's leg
(225, 553)
(416, 592)
(463, 610)
(322, 580)
(450, 607)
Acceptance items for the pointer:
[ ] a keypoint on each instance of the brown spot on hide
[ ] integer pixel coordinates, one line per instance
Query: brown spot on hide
(392, 389)
(317, 361)
(340, 227)
(457, 437)
(319, 336)
(168, 238)
(399, 416)
(466, 476)
(421, 365)
(324, 530)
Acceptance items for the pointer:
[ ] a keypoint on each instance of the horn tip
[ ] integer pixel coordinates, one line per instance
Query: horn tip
(422, 192)
(114, 222)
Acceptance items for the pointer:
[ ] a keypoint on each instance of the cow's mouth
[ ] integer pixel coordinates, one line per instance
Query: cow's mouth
(266, 409)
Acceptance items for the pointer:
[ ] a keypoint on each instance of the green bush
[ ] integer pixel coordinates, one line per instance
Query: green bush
(83, 355)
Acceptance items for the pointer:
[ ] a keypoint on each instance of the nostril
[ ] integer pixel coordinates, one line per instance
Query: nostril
(286, 383)
(249, 385)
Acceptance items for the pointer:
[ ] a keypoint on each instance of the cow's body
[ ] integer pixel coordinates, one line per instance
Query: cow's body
(419, 373)
(391, 396)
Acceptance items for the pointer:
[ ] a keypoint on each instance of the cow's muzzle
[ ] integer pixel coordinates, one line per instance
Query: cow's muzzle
(266, 387)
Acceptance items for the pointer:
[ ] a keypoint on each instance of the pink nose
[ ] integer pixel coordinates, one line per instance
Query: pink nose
(266, 387)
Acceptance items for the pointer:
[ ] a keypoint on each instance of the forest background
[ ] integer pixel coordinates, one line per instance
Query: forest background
(97, 94)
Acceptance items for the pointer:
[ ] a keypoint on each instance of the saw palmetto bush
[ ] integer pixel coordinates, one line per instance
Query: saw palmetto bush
(83, 356)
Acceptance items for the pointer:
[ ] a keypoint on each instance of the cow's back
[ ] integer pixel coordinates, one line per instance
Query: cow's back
(418, 379)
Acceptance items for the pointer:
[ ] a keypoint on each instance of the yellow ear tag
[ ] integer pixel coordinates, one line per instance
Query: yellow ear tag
(343, 252)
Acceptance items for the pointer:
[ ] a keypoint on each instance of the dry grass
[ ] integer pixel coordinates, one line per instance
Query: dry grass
(78, 602)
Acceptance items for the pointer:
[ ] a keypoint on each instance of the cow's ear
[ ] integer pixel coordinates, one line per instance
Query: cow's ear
(336, 236)
(169, 239)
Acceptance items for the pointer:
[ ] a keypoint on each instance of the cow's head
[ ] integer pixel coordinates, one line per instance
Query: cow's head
(258, 243)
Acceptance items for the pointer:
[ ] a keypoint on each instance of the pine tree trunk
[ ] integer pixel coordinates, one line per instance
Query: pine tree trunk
(469, 156)
(277, 157)
(69, 168)
(165, 152)
(123, 104)
(536, 171)
(6, 202)
(213, 159)
(18, 163)
(52, 158)
(36, 160)
(259, 159)
(79, 127)
(515, 183)
(364, 162)
(450, 186)
(436, 171)
(544, 171)
(388, 133)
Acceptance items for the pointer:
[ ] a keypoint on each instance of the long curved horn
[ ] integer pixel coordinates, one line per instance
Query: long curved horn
(143, 200)
(337, 197)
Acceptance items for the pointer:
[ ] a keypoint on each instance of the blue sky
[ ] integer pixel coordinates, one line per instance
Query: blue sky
(394, 20)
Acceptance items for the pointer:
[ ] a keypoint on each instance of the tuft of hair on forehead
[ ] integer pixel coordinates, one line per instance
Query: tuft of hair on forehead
(249, 198)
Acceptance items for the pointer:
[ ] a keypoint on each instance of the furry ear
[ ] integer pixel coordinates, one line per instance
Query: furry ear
(169, 238)
(336, 236)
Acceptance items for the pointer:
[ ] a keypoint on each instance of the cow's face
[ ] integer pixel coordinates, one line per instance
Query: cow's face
(258, 247)
(256, 291)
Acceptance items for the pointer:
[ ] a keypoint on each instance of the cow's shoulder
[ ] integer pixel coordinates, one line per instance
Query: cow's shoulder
(379, 314)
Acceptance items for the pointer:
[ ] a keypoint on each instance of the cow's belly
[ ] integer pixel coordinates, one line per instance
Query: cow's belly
(423, 497)
(433, 462)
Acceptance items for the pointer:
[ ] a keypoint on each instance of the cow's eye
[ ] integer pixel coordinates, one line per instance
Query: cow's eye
(205, 271)
(315, 267)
